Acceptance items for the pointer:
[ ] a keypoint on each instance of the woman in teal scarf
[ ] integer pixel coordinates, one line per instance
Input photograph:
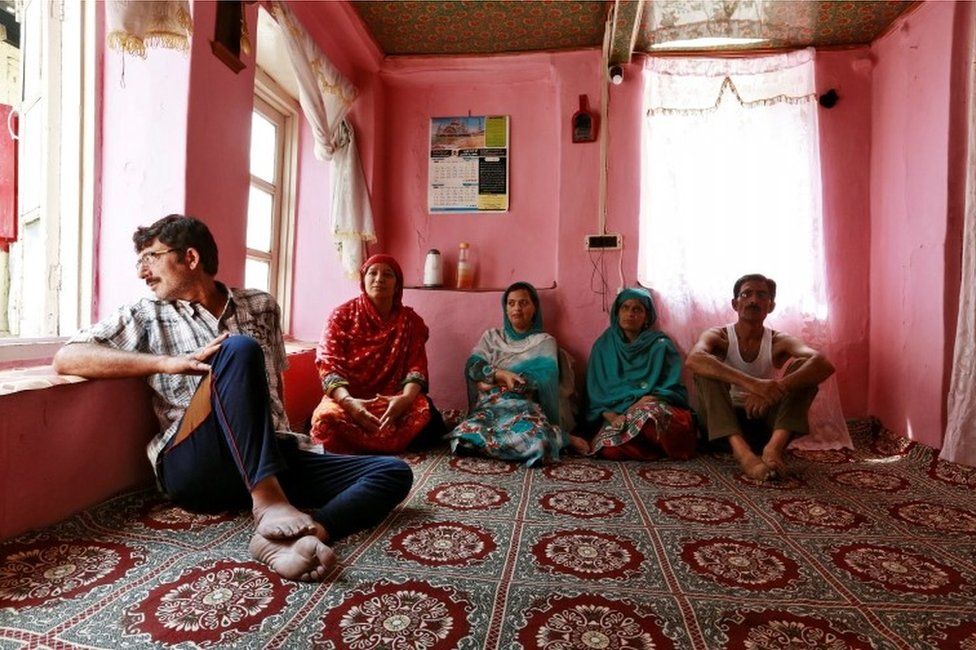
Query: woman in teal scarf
(513, 387)
(637, 403)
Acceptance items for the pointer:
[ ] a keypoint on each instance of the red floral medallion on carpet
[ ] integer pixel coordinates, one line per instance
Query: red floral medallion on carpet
(404, 616)
(209, 606)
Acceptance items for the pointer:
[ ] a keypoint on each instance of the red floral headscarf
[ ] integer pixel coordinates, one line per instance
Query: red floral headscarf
(383, 258)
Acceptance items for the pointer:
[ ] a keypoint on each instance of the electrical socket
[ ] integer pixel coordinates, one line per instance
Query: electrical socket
(607, 242)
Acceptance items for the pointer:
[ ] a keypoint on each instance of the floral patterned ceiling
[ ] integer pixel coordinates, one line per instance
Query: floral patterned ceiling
(496, 26)
(483, 27)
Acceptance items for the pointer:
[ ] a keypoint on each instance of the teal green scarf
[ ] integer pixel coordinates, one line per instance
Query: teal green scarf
(620, 373)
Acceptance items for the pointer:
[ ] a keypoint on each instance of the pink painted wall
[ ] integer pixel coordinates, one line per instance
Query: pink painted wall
(319, 283)
(505, 246)
(48, 466)
(845, 152)
(910, 137)
(218, 139)
(554, 201)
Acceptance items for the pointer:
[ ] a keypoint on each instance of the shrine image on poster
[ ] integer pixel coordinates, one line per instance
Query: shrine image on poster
(468, 170)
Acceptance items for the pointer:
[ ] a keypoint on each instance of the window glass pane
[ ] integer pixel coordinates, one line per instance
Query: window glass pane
(263, 149)
(256, 274)
(259, 220)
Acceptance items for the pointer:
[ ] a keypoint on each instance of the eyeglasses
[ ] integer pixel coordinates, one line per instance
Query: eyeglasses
(150, 258)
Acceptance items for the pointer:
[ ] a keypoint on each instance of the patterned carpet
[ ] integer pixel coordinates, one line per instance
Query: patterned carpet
(873, 548)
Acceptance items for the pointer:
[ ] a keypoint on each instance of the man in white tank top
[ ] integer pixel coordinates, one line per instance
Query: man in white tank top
(740, 396)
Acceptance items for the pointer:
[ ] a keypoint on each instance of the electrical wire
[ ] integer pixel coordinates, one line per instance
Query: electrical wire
(598, 279)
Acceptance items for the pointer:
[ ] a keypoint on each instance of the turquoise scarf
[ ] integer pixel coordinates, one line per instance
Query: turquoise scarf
(620, 373)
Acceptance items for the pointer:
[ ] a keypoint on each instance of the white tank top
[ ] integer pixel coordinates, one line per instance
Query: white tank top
(761, 367)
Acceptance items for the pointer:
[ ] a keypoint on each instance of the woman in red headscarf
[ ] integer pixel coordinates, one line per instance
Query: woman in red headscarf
(373, 366)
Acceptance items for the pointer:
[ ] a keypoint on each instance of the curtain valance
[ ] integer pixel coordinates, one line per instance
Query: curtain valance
(675, 85)
(133, 25)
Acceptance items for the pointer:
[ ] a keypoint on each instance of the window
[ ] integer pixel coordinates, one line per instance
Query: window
(730, 184)
(270, 206)
(46, 264)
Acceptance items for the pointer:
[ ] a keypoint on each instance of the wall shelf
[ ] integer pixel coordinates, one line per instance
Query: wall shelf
(420, 287)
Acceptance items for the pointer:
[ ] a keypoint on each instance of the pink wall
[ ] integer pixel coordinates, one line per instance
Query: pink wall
(554, 200)
(64, 449)
(218, 140)
(46, 475)
(845, 153)
(505, 246)
(910, 137)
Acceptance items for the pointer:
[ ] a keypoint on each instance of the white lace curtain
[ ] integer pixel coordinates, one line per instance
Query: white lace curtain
(730, 184)
(326, 97)
(960, 439)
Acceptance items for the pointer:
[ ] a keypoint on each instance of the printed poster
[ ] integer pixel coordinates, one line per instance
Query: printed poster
(468, 170)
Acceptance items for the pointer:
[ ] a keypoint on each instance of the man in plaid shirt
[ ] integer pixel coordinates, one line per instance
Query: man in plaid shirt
(213, 357)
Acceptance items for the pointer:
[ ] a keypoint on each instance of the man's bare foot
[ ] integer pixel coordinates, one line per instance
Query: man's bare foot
(307, 558)
(282, 521)
(755, 468)
(772, 453)
(775, 462)
(579, 445)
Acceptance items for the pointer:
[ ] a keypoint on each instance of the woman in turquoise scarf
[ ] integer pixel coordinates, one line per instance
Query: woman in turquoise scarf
(637, 403)
(513, 387)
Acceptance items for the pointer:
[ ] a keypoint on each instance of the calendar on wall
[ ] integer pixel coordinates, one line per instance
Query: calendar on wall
(468, 166)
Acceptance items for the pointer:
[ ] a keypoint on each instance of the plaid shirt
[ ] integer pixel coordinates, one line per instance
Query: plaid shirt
(178, 327)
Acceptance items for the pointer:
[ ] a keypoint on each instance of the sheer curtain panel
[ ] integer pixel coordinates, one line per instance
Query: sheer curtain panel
(960, 437)
(730, 184)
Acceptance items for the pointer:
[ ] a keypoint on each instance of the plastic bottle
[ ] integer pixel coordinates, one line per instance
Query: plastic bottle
(465, 270)
(433, 269)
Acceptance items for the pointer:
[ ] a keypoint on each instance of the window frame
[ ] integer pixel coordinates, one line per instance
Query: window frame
(68, 153)
(269, 95)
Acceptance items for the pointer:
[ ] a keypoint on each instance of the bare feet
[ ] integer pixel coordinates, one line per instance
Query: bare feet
(775, 462)
(752, 466)
(579, 445)
(755, 468)
(772, 453)
(307, 558)
(282, 521)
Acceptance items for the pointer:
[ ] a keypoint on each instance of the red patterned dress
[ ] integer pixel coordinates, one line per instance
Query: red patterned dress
(373, 358)
(649, 431)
